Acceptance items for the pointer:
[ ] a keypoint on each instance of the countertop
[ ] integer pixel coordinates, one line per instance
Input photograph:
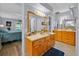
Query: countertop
(65, 30)
(39, 36)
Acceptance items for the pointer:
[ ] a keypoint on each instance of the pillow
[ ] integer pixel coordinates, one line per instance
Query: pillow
(3, 30)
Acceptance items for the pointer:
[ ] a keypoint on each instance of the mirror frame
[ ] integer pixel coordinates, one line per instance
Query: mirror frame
(30, 13)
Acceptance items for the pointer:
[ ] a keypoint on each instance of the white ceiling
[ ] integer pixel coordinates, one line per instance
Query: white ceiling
(37, 6)
(15, 9)
(59, 7)
(10, 9)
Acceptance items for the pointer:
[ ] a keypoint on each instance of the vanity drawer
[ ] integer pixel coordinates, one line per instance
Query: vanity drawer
(36, 50)
(38, 47)
(70, 34)
(71, 41)
(37, 42)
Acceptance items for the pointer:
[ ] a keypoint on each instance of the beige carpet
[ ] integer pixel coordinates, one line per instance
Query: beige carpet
(67, 49)
(11, 49)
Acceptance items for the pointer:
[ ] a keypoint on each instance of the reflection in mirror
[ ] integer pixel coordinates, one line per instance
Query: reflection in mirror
(70, 24)
(36, 23)
(33, 23)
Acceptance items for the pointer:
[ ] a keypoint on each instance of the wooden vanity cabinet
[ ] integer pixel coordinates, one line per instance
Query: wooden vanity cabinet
(67, 37)
(40, 46)
(28, 47)
(58, 35)
(64, 37)
(36, 48)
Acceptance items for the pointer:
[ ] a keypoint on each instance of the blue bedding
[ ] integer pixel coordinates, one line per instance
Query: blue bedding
(10, 36)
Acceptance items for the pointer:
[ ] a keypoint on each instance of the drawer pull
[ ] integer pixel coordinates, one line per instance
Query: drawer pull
(36, 46)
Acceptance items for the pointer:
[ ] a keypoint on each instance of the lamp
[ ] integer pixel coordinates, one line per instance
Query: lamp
(1, 25)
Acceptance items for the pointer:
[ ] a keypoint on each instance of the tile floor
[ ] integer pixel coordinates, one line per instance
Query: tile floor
(11, 49)
(67, 49)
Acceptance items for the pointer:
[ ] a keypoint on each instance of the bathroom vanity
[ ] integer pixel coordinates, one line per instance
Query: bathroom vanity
(37, 45)
(38, 39)
(65, 36)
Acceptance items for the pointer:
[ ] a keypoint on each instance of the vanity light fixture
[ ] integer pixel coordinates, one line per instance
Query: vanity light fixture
(39, 13)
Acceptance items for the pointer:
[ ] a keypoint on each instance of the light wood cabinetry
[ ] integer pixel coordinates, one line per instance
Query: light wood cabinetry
(40, 46)
(67, 37)
(58, 35)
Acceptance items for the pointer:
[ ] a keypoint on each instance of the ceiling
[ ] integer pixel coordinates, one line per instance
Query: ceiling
(10, 9)
(15, 9)
(37, 6)
(61, 7)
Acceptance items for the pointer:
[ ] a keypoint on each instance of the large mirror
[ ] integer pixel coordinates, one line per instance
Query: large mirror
(36, 24)
(70, 24)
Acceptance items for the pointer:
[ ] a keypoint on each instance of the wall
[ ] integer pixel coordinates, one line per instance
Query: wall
(10, 12)
(10, 15)
(62, 16)
(28, 7)
(13, 21)
(53, 22)
(77, 29)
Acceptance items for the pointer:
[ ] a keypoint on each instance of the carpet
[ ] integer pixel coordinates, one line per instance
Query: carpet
(54, 52)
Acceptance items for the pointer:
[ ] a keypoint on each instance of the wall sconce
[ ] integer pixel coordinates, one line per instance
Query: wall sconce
(1, 25)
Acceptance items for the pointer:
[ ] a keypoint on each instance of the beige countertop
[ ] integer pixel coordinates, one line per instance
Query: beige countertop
(65, 30)
(39, 36)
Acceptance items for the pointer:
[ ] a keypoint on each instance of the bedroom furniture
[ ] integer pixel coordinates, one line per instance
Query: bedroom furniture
(10, 35)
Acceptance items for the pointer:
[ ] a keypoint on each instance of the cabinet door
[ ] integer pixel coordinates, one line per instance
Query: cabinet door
(64, 36)
(52, 38)
(35, 50)
(57, 35)
(38, 47)
(68, 37)
(46, 44)
(71, 38)
(28, 47)
(48, 40)
(43, 45)
(56, 38)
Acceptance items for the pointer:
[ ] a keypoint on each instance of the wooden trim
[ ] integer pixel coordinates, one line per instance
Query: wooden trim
(29, 13)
